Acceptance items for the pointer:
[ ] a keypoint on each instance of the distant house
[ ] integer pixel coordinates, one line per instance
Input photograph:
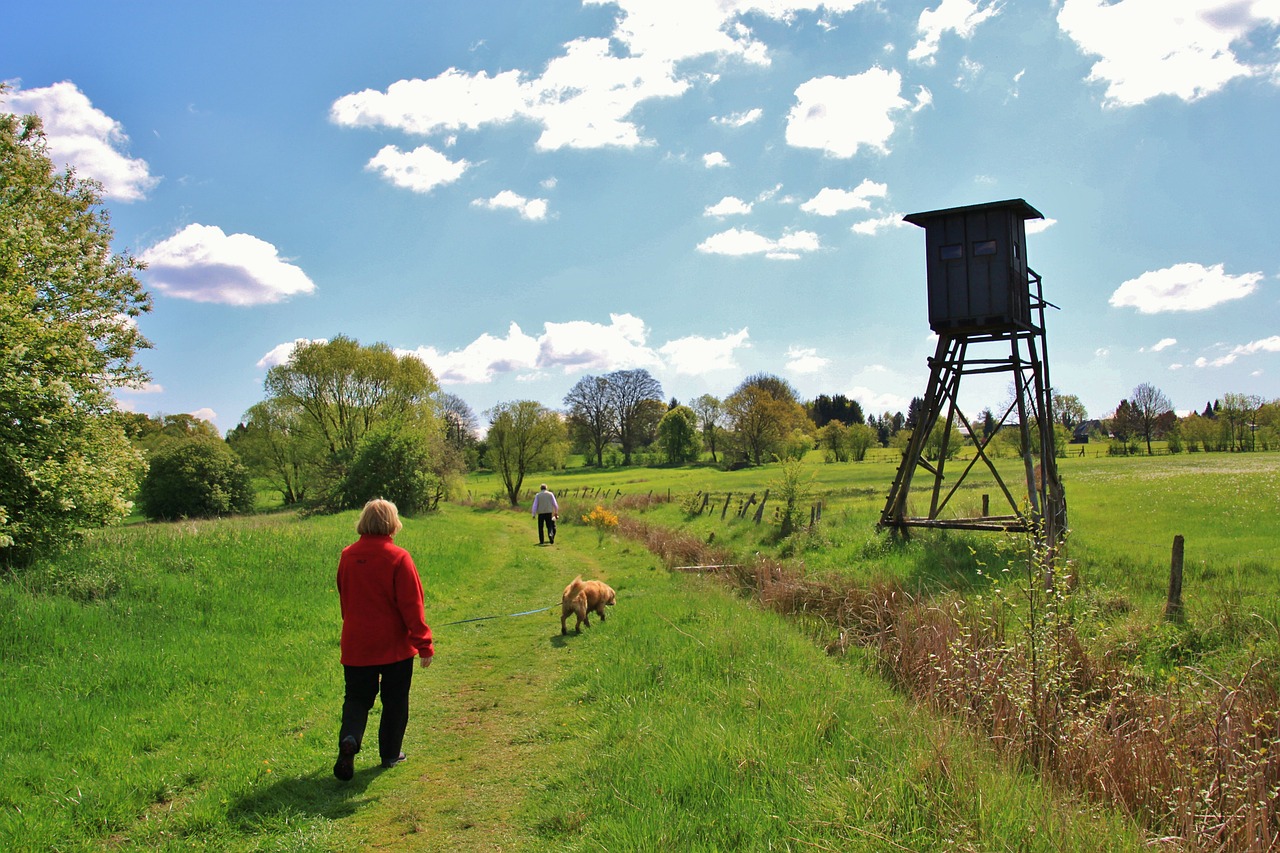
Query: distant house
(1080, 435)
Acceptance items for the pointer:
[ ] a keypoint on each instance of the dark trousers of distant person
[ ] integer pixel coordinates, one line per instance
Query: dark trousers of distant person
(363, 685)
(547, 522)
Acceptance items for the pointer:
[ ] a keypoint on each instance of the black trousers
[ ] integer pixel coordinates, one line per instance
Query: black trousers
(547, 522)
(363, 684)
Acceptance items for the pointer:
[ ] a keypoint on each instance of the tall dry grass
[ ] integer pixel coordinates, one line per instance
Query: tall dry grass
(1198, 762)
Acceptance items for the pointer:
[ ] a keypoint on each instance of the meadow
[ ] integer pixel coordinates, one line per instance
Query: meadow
(176, 686)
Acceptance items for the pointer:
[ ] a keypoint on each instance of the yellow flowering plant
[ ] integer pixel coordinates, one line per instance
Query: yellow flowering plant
(602, 520)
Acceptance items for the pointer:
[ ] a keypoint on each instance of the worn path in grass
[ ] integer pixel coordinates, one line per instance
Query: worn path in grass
(480, 713)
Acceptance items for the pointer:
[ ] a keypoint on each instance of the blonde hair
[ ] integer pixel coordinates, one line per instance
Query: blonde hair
(379, 518)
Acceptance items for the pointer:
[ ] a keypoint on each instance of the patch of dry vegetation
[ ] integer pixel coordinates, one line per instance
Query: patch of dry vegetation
(1197, 761)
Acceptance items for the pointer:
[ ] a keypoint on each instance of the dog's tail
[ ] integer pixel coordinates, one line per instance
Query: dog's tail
(575, 587)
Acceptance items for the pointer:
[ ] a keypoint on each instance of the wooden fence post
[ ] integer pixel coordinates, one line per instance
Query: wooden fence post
(986, 505)
(1173, 604)
(760, 509)
(726, 505)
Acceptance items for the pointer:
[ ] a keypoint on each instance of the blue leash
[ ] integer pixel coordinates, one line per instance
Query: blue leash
(499, 616)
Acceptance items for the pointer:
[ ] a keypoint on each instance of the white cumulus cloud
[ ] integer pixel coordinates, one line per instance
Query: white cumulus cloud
(281, 353)
(728, 206)
(840, 115)
(695, 354)
(961, 17)
(830, 201)
(534, 209)
(85, 138)
(805, 360)
(204, 264)
(1271, 344)
(1184, 48)
(741, 119)
(421, 170)
(1183, 287)
(741, 241)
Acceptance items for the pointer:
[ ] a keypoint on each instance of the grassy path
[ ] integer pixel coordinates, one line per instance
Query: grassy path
(176, 687)
(481, 712)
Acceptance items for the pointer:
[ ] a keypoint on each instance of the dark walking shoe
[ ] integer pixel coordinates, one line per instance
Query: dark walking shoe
(395, 761)
(345, 767)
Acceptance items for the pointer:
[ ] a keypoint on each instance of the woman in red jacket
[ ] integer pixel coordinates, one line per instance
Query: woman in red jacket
(383, 629)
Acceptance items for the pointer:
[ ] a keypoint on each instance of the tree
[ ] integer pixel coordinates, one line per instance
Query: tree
(195, 479)
(395, 464)
(825, 409)
(833, 437)
(1149, 404)
(794, 490)
(628, 391)
(1068, 410)
(273, 444)
(460, 422)
(845, 443)
(591, 414)
(523, 436)
(861, 437)
(710, 411)
(344, 389)
(339, 391)
(68, 336)
(763, 412)
(1239, 413)
(1123, 425)
(678, 435)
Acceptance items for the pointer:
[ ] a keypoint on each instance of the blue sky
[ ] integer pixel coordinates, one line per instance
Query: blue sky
(526, 193)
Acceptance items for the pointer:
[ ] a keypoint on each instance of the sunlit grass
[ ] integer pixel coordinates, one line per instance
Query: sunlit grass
(176, 687)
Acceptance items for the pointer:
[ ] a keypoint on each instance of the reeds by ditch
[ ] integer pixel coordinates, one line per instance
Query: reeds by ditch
(1197, 761)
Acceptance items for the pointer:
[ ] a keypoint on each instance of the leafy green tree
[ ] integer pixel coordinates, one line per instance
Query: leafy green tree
(824, 409)
(794, 490)
(833, 438)
(150, 434)
(933, 445)
(68, 305)
(195, 479)
(678, 435)
(629, 391)
(861, 437)
(395, 464)
(274, 444)
(762, 412)
(592, 415)
(710, 411)
(1239, 413)
(345, 389)
(1068, 410)
(524, 436)
(338, 391)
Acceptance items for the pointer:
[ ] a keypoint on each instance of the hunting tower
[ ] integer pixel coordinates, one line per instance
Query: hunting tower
(983, 298)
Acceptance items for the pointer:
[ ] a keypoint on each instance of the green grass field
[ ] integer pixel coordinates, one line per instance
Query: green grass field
(175, 687)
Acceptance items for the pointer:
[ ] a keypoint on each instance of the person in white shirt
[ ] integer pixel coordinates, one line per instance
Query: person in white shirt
(546, 510)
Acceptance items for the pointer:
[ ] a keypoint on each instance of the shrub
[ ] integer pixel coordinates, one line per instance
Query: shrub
(196, 479)
(395, 466)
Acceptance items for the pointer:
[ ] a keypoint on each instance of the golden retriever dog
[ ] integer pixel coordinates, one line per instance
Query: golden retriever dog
(581, 598)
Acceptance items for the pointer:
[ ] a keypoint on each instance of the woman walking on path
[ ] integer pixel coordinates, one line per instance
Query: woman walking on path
(546, 509)
(383, 628)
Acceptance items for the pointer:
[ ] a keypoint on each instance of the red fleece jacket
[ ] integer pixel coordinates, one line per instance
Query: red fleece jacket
(381, 596)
